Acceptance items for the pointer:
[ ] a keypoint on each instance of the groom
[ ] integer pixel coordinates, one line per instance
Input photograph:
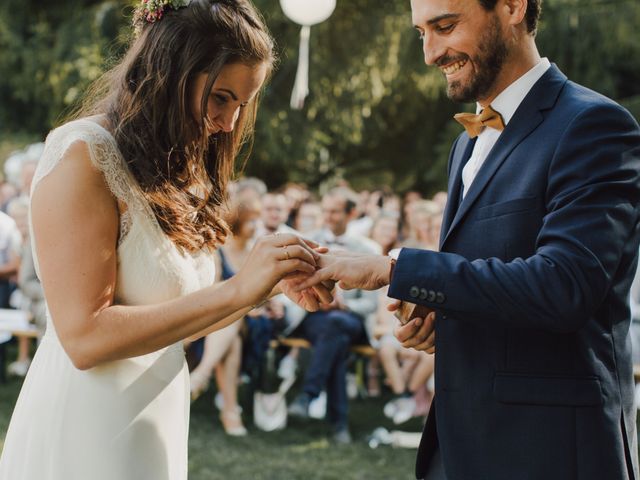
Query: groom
(539, 246)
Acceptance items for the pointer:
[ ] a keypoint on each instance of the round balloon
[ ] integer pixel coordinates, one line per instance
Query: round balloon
(308, 12)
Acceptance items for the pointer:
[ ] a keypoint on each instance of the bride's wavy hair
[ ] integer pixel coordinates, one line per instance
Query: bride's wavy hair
(182, 172)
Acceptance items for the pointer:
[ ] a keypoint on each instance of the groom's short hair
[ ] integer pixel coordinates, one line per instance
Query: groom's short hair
(534, 7)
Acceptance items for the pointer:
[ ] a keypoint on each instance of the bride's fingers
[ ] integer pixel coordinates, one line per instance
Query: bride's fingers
(290, 239)
(310, 243)
(295, 265)
(296, 276)
(296, 251)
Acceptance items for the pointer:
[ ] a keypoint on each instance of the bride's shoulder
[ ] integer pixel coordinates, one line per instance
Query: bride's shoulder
(79, 148)
(88, 129)
(88, 135)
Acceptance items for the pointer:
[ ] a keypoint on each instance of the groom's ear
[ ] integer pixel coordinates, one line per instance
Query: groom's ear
(514, 12)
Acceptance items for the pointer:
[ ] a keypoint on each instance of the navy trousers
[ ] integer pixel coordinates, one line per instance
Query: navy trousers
(331, 333)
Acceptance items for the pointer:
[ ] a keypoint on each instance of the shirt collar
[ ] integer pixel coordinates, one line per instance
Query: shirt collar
(511, 97)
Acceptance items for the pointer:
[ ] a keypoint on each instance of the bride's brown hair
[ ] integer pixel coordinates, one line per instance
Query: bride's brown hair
(182, 172)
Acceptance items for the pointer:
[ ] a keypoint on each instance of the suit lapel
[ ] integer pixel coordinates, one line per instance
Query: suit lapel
(461, 154)
(528, 116)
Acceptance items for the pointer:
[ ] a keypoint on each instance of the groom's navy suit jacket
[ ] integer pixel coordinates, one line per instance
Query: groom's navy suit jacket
(533, 363)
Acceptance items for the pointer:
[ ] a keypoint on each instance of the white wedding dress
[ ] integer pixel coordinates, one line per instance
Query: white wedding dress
(127, 419)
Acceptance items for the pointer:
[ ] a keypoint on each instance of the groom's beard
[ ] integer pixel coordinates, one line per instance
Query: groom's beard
(489, 61)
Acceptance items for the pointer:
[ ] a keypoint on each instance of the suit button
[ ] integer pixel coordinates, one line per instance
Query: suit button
(414, 292)
(423, 294)
(432, 296)
(440, 298)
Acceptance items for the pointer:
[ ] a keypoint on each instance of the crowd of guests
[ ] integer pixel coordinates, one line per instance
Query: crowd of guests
(19, 285)
(368, 221)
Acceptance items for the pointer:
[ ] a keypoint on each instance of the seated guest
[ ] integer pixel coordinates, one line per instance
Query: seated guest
(308, 217)
(385, 232)
(334, 329)
(407, 370)
(425, 218)
(223, 348)
(18, 210)
(296, 194)
(10, 248)
(275, 213)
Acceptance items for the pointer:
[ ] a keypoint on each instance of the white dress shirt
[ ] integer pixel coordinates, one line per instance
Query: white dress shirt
(506, 104)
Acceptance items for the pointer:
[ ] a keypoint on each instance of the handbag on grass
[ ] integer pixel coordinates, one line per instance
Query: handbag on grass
(270, 409)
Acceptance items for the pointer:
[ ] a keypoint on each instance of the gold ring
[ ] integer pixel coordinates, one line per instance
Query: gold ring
(286, 252)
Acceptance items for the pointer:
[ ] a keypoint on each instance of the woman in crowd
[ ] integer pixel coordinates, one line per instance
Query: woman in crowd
(223, 349)
(126, 214)
(407, 371)
(425, 217)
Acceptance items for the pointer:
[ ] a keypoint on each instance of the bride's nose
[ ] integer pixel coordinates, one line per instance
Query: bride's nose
(226, 120)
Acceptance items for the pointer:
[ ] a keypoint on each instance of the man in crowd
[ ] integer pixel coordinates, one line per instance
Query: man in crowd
(336, 327)
(539, 246)
(274, 214)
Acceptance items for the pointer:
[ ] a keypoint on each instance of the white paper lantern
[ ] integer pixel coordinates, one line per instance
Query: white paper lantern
(305, 13)
(308, 12)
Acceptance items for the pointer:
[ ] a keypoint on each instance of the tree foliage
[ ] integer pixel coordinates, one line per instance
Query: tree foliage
(375, 115)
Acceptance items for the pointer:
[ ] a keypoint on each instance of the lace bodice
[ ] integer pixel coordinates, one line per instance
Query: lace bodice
(150, 268)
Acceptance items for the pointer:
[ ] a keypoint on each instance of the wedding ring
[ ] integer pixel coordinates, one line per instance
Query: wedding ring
(286, 252)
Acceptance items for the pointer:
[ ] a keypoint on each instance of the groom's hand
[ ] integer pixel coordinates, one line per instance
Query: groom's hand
(419, 332)
(351, 270)
(311, 299)
(405, 311)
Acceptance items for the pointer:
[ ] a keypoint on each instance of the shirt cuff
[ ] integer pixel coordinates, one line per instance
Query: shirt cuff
(395, 253)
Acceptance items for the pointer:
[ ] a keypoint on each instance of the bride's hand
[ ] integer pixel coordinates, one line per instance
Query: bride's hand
(273, 258)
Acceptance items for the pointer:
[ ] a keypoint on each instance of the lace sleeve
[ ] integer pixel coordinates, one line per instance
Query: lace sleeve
(103, 152)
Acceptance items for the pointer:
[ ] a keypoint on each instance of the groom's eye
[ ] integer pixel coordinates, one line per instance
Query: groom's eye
(445, 28)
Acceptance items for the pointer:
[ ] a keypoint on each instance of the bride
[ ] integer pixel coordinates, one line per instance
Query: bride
(126, 213)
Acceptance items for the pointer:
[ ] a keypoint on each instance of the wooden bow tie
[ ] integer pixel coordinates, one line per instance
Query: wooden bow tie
(474, 124)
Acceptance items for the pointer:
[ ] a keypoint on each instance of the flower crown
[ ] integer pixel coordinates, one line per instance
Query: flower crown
(150, 11)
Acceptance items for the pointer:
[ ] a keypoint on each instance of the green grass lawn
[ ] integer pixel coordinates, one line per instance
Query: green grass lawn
(302, 451)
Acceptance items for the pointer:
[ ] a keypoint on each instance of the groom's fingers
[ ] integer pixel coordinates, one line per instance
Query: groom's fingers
(345, 286)
(428, 345)
(322, 275)
(311, 301)
(425, 329)
(408, 330)
(394, 306)
(323, 294)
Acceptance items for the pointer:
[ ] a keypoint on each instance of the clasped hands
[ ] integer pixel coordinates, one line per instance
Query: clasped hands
(368, 272)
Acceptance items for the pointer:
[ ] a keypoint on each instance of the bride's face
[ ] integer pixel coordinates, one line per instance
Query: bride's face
(236, 86)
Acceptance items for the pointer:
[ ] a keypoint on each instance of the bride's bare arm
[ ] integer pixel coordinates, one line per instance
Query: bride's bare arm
(75, 222)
